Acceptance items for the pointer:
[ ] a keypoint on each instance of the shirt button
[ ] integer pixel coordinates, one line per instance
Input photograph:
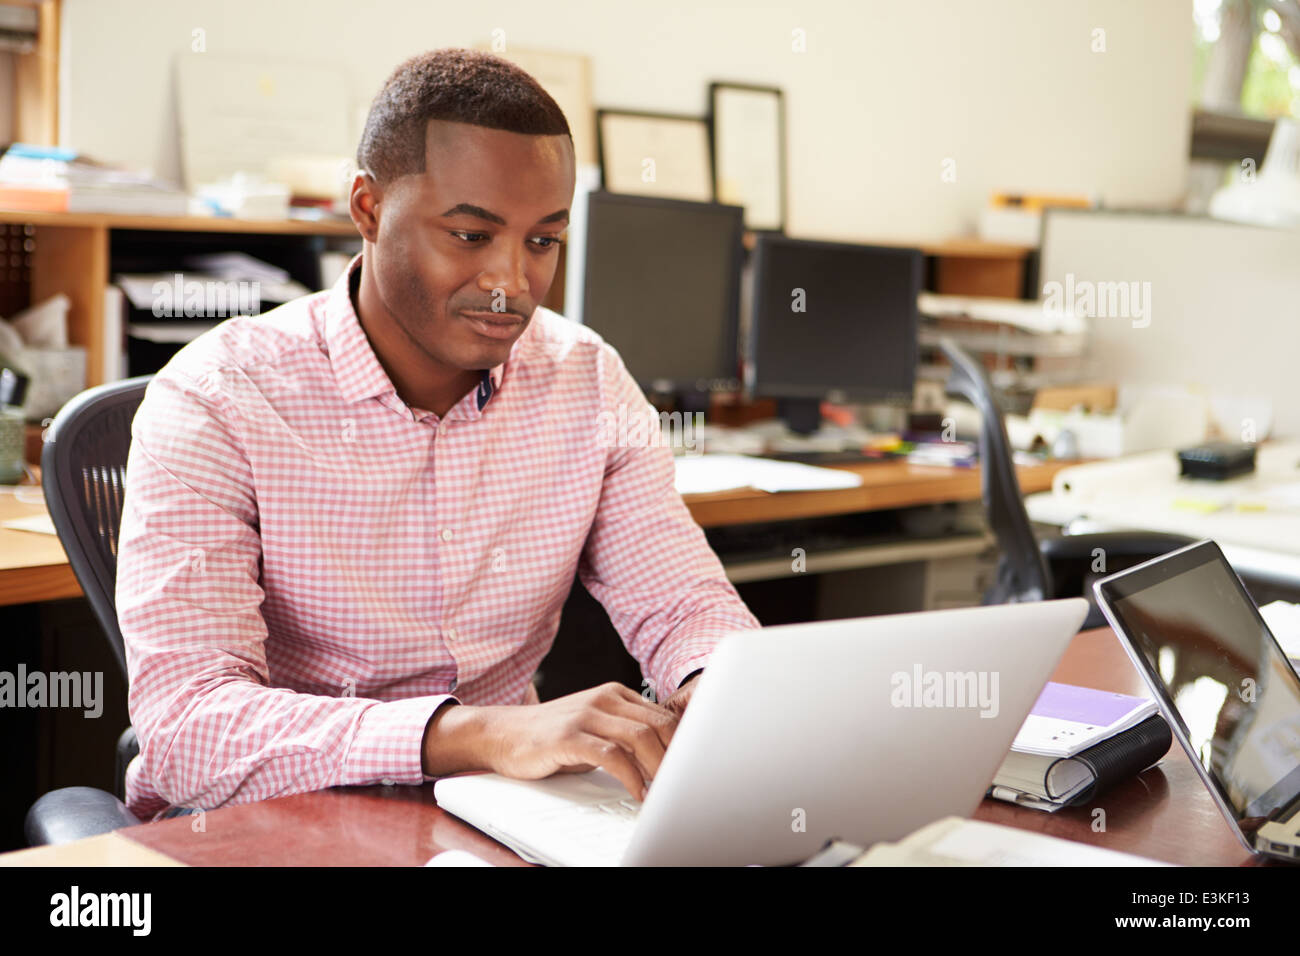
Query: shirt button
(452, 634)
(387, 782)
(442, 428)
(446, 534)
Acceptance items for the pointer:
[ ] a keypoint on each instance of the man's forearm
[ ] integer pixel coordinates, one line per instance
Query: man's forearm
(456, 740)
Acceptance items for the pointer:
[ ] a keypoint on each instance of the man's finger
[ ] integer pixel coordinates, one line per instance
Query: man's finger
(637, 737)
(616, 761)
(660, 718)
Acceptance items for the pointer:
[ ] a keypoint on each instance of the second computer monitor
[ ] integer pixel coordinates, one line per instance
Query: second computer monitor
(662, 285)
(834, 318)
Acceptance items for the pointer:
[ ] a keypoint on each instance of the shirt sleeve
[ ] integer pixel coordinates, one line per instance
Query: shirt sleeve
(645, 559)
(212, 730)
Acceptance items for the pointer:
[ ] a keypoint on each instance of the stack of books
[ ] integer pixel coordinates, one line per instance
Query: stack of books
(1078, 741)
(50, 179)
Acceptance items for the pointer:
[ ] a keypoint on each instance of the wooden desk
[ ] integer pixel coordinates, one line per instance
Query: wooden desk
(885, 485)
(1166, 813)
(33, 567)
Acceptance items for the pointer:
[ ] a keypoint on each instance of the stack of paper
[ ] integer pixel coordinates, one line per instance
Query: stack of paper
(703, 474)
(953, 841)
(954, 454)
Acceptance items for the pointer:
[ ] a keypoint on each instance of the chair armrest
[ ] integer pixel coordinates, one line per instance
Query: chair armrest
(72, 813)
(128, 746)
(1115, 544)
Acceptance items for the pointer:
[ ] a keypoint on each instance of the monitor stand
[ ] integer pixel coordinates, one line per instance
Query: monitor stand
(687, 401)
(803, 416)
(692, 400)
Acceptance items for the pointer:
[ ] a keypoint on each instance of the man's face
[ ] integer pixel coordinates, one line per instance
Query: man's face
(466, 250)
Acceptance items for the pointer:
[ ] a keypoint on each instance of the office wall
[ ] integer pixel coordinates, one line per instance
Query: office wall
(1220, 305)
(887, 90)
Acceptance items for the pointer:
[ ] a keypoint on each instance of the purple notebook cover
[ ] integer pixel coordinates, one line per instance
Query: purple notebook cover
(1101, 708)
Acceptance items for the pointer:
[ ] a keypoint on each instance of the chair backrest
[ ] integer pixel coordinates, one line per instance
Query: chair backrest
(1023, 574)
(83, 474)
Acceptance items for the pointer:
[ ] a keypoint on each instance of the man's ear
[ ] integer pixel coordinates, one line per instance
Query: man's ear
(363, 204)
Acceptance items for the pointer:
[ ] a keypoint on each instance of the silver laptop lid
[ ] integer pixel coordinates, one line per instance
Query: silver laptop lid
(862, 730)
(1227, 689)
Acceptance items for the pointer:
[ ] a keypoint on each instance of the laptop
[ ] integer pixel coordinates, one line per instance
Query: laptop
(859, 730)
(1226, 688)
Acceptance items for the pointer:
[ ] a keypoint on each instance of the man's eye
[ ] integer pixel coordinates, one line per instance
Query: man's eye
(470, 236)
(549, 241)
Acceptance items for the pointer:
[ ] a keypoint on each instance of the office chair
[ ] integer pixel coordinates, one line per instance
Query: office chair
(83, 473)
(1029, 569)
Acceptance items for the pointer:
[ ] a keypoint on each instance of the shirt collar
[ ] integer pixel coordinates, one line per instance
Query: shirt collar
(357, 369)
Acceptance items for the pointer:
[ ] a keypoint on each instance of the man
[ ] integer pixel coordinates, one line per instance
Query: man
(344, 511)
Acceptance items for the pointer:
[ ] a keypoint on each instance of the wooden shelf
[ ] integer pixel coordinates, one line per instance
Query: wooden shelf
(976, 249)
(269, 227)
(71, 256)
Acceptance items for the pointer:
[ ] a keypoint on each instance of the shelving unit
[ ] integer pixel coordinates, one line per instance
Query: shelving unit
(71, 253)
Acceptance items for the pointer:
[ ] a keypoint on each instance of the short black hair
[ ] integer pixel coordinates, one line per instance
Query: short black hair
(463, 86)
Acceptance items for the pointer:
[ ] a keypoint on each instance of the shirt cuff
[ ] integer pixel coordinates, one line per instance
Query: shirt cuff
(698, 670)
(680, 671)
(387, 745)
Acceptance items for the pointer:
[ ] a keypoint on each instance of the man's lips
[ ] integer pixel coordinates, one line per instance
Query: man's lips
(496, 325)
(496, 318)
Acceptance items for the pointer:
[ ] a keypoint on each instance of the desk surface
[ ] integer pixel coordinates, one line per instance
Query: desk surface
(1260, 510)
(885, 485)
(1166, 813)
(33, 567)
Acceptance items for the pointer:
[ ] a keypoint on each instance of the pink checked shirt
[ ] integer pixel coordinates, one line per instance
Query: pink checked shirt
(308, 567)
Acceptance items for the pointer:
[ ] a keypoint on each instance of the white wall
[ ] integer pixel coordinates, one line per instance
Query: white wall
(886, 91)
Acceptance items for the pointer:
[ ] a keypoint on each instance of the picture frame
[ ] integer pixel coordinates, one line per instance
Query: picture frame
(667, 155)
(747, 148)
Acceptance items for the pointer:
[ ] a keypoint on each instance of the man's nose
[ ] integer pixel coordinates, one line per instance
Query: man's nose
(505, 277)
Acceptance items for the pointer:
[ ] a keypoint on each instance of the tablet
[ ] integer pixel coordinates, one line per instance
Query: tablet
(1227, 689)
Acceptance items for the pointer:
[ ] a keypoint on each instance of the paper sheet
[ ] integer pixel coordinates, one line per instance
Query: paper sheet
(1283, 619)
(41, 524)
(702, 474)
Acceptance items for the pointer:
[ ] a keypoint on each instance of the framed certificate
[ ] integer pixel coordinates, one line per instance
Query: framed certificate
(567, 77)
(655, 154)
(748, 124)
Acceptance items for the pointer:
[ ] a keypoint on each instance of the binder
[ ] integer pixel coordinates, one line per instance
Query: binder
(1117, 758)
(1107, 762)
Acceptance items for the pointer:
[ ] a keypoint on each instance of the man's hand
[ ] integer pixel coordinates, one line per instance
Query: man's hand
(677, 701)
(610, 726)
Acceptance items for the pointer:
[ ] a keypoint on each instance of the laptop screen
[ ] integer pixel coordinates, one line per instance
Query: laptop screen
(1223, 678)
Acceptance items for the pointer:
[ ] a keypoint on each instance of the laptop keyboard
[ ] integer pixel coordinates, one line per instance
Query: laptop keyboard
(600, 831)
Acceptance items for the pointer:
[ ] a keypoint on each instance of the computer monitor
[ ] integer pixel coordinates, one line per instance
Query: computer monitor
(662, 285)
(832, 320)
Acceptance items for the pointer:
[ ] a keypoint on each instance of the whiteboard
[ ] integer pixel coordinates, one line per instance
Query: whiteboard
(1224, 303)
